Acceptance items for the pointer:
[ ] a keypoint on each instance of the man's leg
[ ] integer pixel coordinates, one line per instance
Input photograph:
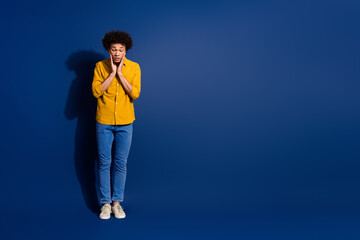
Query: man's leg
(104, 137)
(123, 137)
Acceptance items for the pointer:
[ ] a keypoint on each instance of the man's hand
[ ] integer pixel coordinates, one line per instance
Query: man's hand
(119, 69)
(113, 66)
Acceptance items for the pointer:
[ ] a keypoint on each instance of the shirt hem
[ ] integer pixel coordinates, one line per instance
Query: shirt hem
(106, 123)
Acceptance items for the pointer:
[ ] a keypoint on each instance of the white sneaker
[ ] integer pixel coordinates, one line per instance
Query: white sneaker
(118, 211)
(105, 211)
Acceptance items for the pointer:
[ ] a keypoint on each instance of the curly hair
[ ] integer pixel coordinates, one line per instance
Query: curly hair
(116, 36)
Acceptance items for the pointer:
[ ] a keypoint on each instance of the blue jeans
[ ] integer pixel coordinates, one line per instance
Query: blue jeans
(105, 135)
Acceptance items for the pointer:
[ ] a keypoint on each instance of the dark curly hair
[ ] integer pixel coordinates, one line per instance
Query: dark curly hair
(116, 36)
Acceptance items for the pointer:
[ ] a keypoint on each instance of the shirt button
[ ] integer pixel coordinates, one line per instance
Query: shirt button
(117, 84)
(117, 93)
(115, 112)
(116, 103)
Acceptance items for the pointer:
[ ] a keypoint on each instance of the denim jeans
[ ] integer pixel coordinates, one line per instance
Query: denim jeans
(105, 136)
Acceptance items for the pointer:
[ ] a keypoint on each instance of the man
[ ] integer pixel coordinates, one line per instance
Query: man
(116, 84)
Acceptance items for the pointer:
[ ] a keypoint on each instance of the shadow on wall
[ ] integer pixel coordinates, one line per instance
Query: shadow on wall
(82, 104)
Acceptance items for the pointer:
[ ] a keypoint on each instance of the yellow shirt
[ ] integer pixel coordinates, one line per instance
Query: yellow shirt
(114, 105)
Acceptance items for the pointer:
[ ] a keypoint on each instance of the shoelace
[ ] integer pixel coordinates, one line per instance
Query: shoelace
(105, 208)
(119, 207)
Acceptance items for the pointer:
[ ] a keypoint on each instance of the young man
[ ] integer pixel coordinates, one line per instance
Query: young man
(116, 84)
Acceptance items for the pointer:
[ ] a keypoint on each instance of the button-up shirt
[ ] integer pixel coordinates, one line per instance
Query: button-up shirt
(114, 105)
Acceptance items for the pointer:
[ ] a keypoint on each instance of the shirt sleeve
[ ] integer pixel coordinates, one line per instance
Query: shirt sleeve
(97, 80)
(136, 87)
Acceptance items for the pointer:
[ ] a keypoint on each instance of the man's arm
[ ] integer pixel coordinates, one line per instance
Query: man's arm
(132, 90)
(105, 84)
(99, 85)
(127, 86)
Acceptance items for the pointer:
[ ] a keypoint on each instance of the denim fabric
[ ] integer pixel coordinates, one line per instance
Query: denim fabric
(105, 136)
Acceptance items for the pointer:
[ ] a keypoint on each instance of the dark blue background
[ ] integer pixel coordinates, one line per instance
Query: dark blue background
(247, 125)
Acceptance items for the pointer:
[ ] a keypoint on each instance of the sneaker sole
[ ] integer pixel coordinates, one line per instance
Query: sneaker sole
(119, 217)
(105, 218)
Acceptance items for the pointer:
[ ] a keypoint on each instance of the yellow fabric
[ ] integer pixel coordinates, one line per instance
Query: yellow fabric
(114, 105)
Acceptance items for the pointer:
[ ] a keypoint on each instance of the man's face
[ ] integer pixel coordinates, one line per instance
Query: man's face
(117, 51)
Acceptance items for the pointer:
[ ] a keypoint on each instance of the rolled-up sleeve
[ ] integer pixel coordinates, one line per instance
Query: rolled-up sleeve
(136, 87)
(97, 80)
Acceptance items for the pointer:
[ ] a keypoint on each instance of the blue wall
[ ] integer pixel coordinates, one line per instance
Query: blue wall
(247, 124)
